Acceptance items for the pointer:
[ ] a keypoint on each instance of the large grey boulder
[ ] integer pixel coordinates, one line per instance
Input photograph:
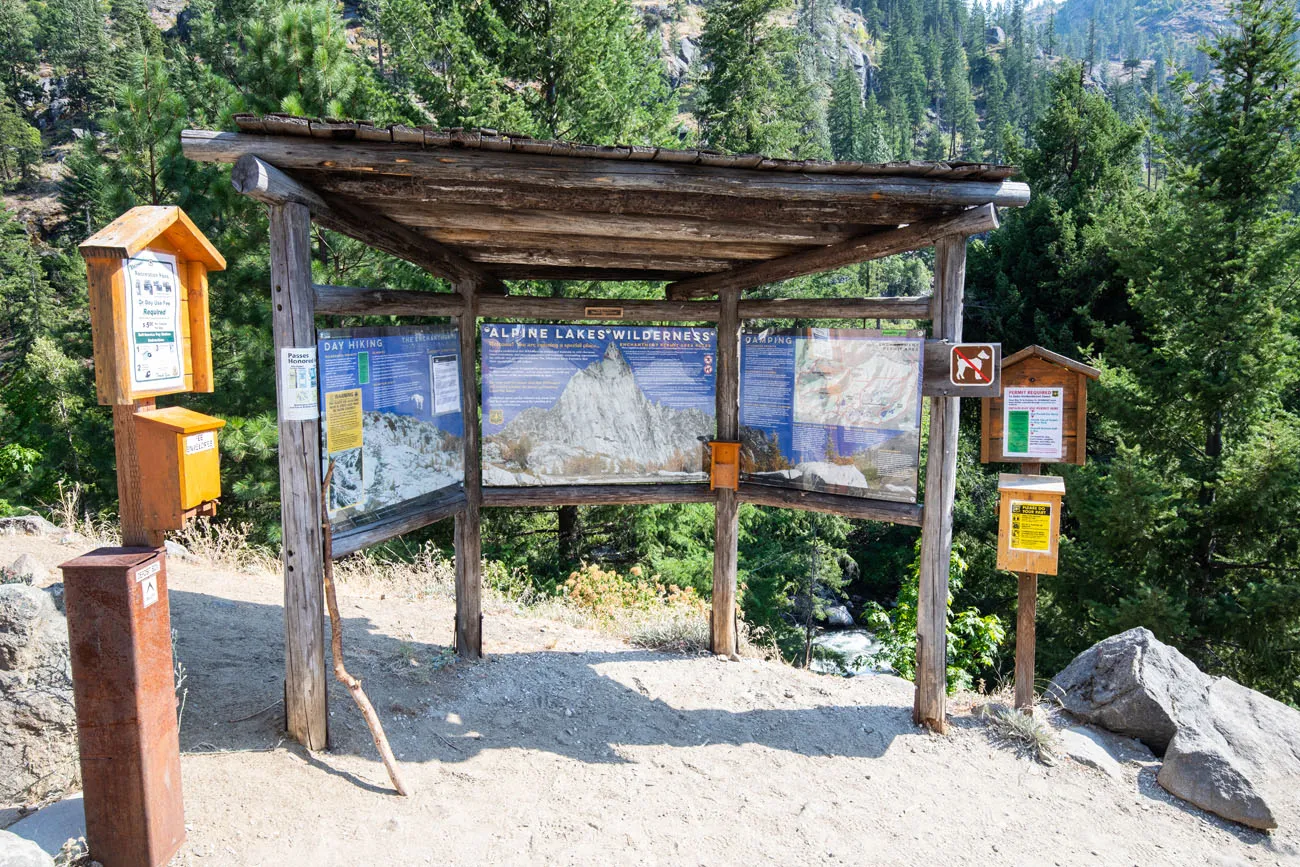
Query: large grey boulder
(17, 852)
(27, 525)
(1227, 748)
(1132, 684)
(38, 729)
(28, 569)
(1236, 754)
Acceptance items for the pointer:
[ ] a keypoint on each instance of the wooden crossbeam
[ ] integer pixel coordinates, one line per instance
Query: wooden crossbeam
(357, 301)
(873, 246)
(260, 180)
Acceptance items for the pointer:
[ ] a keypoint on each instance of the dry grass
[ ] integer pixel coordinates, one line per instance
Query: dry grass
(1028, 734)
(69, 515)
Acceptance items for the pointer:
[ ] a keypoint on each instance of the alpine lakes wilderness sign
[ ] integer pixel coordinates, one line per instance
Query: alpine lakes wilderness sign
(828, 410)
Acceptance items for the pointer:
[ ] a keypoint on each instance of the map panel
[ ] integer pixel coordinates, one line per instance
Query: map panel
(833, 410)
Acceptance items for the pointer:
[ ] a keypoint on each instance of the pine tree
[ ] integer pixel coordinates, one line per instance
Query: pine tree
(846, 115)
(20, 142)
(18, 58)
(1203, 389)
(76, 41)
(144, 131)
(299, 62)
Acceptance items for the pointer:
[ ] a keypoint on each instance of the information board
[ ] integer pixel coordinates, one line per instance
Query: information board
(833, 410)
(1033, 422)
(390, 420)
(155, 322)
(570, 404)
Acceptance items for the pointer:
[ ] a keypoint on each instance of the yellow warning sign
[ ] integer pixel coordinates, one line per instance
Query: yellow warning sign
(342, 420)
(1031, 526)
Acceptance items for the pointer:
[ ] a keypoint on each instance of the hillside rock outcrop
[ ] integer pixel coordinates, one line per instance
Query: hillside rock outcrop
(38, 727)
(1227, 748)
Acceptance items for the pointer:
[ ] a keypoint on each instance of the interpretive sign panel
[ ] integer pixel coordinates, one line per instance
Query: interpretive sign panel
(569, 404)
(155, 317)
(391, 420)
(832, 410)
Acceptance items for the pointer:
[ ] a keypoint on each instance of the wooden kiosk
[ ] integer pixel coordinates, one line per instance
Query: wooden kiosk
(478, 208)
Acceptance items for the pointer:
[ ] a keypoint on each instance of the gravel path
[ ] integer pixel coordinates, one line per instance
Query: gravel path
(567, 747)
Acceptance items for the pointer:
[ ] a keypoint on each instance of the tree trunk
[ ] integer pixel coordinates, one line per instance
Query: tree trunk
(570, 534)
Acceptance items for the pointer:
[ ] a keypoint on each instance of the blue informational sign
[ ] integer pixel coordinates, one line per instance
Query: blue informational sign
(833, 410)
(575, 404)
(390, 420)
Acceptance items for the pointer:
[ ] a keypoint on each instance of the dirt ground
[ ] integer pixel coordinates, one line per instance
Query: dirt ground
(565, 746)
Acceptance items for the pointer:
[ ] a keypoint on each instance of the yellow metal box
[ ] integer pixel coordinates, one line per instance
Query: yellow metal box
(1029, 522)
(180, 472)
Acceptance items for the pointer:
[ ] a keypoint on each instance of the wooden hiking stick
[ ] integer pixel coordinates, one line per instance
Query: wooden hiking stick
(336, 645)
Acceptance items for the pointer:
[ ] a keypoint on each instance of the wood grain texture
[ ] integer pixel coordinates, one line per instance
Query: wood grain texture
(937, 373)
(360, 301)
(872, 246)
(146, 225)
(594, 174)
(106, 287)
(292, 303)
(930, 707)
(200, 328)
(1026, 627)
(726, 523)
(595, 495)
(410, 196)
(130, 500)
(259, 180)
(468, 530)
(351, 541)
(907, 514)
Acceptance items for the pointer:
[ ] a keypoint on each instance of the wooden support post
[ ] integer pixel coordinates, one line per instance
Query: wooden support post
(940, 487)
(130, 507)
(726, 526)
(1026, 624)
(292, 320)
(469, 543)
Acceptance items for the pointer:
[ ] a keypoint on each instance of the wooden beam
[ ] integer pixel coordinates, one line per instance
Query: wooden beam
(908, 514)
(362, 301)
(353, 540)
(484, 218)
(359, 301)
(558, 258)
(490, 240)
(873, 246)
(834, 308)
(468, 531)
(930, 707)
(293, 326)
(726, 509)
(577, 173)
(407, 197)
(259, 180)
(596, 495)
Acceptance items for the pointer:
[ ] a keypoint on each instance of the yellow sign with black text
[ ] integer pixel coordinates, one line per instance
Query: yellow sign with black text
(1031, 526)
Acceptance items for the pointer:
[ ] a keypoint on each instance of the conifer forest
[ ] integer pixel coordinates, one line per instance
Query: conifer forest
(1161, 141)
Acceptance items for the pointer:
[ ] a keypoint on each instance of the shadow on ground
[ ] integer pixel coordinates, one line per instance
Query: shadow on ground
(439, 709)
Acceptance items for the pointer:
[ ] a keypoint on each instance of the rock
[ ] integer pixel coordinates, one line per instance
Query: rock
(1236, 754)
(688, 51)
(995, 35)
(1132, 684)
(17, 852)
(38, 728)
(1086, 748)
(28, 569)
(27, 525)
(1227, 748)
(56, 595)
(839, 616)
(51, 827)
(25, 611)
(177, 550)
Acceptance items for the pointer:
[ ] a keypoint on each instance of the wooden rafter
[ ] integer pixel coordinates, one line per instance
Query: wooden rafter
(262, 181)
(873, 246)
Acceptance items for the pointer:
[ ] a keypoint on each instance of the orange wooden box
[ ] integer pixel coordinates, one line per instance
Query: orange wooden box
(724, 465)
(158, 229)
(1029, 522)
(179, 466)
